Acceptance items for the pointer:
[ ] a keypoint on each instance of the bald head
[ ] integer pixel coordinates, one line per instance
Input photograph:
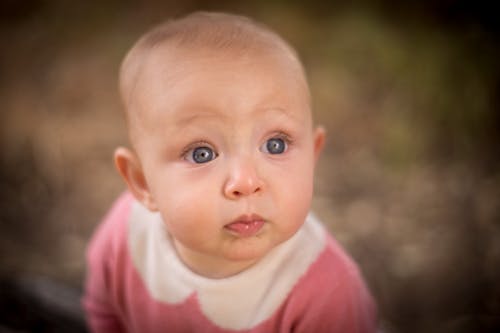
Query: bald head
(201, 35)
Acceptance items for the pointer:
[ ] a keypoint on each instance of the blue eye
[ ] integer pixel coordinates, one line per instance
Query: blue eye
(276, 146)
(202, 155)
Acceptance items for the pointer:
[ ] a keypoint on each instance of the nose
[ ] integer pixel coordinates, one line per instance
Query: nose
(242, 180)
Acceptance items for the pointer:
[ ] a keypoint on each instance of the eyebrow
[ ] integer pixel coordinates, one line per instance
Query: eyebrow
(277, 110)
(197, 114)
(205, 113)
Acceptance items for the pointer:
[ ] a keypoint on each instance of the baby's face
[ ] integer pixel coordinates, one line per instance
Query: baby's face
(228, 151)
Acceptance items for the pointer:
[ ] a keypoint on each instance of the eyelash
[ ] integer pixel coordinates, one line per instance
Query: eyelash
(283, 136)
(198, 144)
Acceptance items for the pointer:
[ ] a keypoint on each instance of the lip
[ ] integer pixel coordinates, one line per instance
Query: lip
(246, 225)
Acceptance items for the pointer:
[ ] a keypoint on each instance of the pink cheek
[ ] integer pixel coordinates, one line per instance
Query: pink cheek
(183, 231)
(188, 212)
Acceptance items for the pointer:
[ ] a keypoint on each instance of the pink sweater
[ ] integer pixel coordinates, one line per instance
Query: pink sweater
(136, 283)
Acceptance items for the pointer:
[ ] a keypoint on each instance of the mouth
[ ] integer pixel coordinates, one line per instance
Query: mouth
(246, 225)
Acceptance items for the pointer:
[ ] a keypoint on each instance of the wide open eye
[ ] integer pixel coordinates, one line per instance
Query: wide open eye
(275, 146)
(201, 155)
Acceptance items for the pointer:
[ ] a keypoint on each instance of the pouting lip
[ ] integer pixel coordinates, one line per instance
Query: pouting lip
(246, 218)
(245, 226)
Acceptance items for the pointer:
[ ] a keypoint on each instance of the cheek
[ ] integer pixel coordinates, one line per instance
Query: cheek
(294, 188)
(298, 172)
(185, 204)
(298, 198)
(186, 219)
(177, 189)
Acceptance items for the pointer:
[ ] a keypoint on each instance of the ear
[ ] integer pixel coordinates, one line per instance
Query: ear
(129, 167)
(319, 141)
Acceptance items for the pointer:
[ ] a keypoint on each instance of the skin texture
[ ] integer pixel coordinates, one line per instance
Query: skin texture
(233, 105)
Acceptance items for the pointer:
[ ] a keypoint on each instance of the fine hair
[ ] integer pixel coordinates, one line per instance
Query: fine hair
(221, 32)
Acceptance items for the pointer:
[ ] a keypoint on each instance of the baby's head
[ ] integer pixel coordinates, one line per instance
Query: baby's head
(224, 146)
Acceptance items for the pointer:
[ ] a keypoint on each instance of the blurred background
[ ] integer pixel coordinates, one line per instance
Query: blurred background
(409, 183)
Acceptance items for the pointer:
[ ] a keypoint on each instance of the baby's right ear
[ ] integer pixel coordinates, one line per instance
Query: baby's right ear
(129, 167)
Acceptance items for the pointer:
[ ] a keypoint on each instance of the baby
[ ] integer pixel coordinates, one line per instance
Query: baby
(215, 233)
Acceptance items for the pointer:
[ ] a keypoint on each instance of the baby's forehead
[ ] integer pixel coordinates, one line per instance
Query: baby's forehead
(201, 41)
(187, 78)
(171, 61)
(169, 66)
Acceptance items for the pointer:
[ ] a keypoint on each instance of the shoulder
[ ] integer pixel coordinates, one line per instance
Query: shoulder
(110, 235)
(334, 276)
(332, 296)
(106, 255)
(328, 261)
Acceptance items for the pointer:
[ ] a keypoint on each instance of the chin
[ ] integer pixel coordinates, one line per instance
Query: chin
(249, 251)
